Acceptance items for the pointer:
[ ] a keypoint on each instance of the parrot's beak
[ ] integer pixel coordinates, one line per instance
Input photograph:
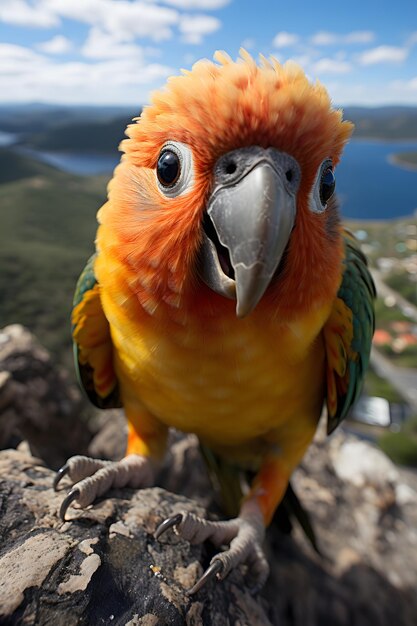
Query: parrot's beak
(248, 222)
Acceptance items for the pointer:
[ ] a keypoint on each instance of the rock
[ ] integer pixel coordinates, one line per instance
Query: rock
(362, 464)
(110, 440)
(105, 567)
(37, 401)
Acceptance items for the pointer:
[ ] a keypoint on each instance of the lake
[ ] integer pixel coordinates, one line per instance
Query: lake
(84, 164)
(6, 139)
(368, 185)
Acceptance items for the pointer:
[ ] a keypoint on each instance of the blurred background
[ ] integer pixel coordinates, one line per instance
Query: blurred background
(73, 73)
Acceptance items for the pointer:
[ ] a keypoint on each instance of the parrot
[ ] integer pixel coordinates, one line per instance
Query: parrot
(224, 298)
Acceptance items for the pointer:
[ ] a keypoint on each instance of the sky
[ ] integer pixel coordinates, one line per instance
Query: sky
(117, 51)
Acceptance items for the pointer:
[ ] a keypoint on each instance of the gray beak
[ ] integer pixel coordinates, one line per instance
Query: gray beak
(248, 222)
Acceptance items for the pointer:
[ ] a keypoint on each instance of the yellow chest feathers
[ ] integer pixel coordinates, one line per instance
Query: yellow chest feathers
(228, 378)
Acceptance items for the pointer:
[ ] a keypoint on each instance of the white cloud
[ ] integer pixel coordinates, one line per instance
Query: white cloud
(102, 45)
(203, 5)
(383, 54)
(331, 66)
(152, 52)
(304, 60)
(126, 20)
(22, 13)
(284, 39)
(29, 76)
(408, 86)
(353, 93)
(248, 43)
(122, 20)
(324, 38)
(359, 36)
(194, 27)
(80, 10)
(13, 57)
(57, 45)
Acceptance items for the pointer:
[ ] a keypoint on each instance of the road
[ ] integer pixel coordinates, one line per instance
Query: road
(383, 290)
(404, 379)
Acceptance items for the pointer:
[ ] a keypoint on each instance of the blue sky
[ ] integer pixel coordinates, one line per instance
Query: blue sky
(117, 51)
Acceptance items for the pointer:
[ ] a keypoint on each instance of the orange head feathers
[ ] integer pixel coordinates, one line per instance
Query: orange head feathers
(207, 113)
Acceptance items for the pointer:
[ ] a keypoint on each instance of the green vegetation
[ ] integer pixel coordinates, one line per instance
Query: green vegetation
(406, 358)
(14, 166)
(402, 447)
(400, 281)
(391, 122)
(385, 238)
(101, 129)
(47, 232)
(29, 118)
(385, 315)
(380, 387)
(101, 136)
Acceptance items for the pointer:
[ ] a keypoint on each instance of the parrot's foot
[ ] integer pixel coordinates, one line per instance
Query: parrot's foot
(244, 535)
(93, 477)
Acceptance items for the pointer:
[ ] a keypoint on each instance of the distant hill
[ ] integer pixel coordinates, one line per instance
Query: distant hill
(14, 166)
(100, 129)
(37, 117)
(101, 136)
(390, 122)
(48, 225)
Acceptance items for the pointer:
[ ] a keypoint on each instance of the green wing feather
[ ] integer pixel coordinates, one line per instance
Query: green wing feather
(93, 348)
(348, 334)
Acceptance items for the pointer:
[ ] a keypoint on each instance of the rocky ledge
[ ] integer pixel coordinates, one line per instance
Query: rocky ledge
(103, 566)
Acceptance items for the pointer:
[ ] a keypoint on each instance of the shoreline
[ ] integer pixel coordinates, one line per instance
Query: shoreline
(361, 222)
(395, 159)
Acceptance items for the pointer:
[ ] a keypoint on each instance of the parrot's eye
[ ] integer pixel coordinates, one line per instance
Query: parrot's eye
(323, 188)
(168, 168)
(174, 169)
(327, 185)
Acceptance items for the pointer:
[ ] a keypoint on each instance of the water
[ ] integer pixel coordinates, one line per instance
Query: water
(370, 187)
(6, 139)
(83, 164)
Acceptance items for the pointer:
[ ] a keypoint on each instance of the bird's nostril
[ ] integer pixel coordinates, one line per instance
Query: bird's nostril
(231, 167)
(288, 175)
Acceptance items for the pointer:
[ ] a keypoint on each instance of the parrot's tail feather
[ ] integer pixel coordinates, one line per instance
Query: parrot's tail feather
(291, 508)
(228, 480)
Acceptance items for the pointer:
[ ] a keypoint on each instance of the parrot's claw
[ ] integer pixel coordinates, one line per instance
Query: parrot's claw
(170, 522)
(244, 535)
(63, 471)
(67, 501)
(93, 478)
(212, 571)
